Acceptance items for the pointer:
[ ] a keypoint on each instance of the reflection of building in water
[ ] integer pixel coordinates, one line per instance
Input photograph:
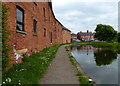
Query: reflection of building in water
(86, 47)
(83, 48)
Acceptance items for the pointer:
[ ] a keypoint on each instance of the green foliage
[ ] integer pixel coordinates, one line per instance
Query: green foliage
(72, 60)
(84, 80)
(82, 77)
(105, 33)
(109, 46)
(32, 68)
(5, 33)
(119, 37)
(103, 57)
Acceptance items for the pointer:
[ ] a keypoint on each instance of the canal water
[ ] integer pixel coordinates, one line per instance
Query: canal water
(100, 65)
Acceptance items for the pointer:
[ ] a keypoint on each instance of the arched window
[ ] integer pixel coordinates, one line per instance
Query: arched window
(44, 32)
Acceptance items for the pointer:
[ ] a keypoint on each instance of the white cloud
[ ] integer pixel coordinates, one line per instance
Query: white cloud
(82, 16)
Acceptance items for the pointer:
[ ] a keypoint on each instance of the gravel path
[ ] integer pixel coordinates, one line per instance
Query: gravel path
(61, 71)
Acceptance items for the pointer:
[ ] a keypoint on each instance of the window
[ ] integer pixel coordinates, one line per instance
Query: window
(35, 26)
(20, 19)
(44, 13)
(50, 36)
(44, 32)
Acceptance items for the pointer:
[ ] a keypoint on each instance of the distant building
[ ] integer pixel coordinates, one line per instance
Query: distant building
(74, 38)
(85, 36)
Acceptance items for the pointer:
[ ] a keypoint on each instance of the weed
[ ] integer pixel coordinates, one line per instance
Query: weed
(32, 69)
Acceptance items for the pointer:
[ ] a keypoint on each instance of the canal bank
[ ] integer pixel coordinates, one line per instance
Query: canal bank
(83, 77)
(99, 64)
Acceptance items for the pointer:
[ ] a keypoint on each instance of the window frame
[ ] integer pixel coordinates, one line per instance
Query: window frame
(44, 14)
(19, 22)
(44, 32)
(35, 26)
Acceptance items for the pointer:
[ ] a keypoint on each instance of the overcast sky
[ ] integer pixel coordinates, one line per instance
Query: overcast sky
(83, 15)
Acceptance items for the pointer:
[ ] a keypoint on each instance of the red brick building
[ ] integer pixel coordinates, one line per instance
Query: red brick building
(85, 36)
(33, 26)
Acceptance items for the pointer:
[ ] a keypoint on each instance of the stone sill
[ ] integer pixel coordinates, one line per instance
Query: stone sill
(35, 34)
(22, 32)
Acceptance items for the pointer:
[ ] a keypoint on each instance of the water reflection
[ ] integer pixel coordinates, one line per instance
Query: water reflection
(104, 57)
(101, 65)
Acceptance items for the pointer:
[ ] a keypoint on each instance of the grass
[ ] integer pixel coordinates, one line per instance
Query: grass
(71, 57)
(105, 45)
(82, 77)
(87, 42)
(84, 80)
(72, 60)
(32, 69)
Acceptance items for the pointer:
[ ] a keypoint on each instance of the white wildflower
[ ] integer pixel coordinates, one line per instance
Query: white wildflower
(6, 80)
(3, 82)
(19, 83)
(9, 79)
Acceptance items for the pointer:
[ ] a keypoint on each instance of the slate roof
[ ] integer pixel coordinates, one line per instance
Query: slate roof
(74, 34)
(64, 28)
(86, 34)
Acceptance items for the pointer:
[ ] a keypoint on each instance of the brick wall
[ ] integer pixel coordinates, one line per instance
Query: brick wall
(28, 43)
(66, 36)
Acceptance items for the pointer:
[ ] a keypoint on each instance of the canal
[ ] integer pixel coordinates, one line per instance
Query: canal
(99, 64)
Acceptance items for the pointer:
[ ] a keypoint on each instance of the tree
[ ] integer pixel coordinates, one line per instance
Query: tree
(104, 57)
(105, 33)
(119, 37)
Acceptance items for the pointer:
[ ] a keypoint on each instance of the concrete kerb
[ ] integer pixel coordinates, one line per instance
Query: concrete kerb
(77, 65)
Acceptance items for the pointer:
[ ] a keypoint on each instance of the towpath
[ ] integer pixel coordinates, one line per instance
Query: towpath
(61, 71)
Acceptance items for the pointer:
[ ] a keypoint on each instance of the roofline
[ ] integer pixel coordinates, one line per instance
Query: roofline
(64, 28)
(50, 4)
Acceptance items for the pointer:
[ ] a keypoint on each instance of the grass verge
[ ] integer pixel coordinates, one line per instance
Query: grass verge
(84, 80)
(32, 69)
(105, 45)
(82, 77)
